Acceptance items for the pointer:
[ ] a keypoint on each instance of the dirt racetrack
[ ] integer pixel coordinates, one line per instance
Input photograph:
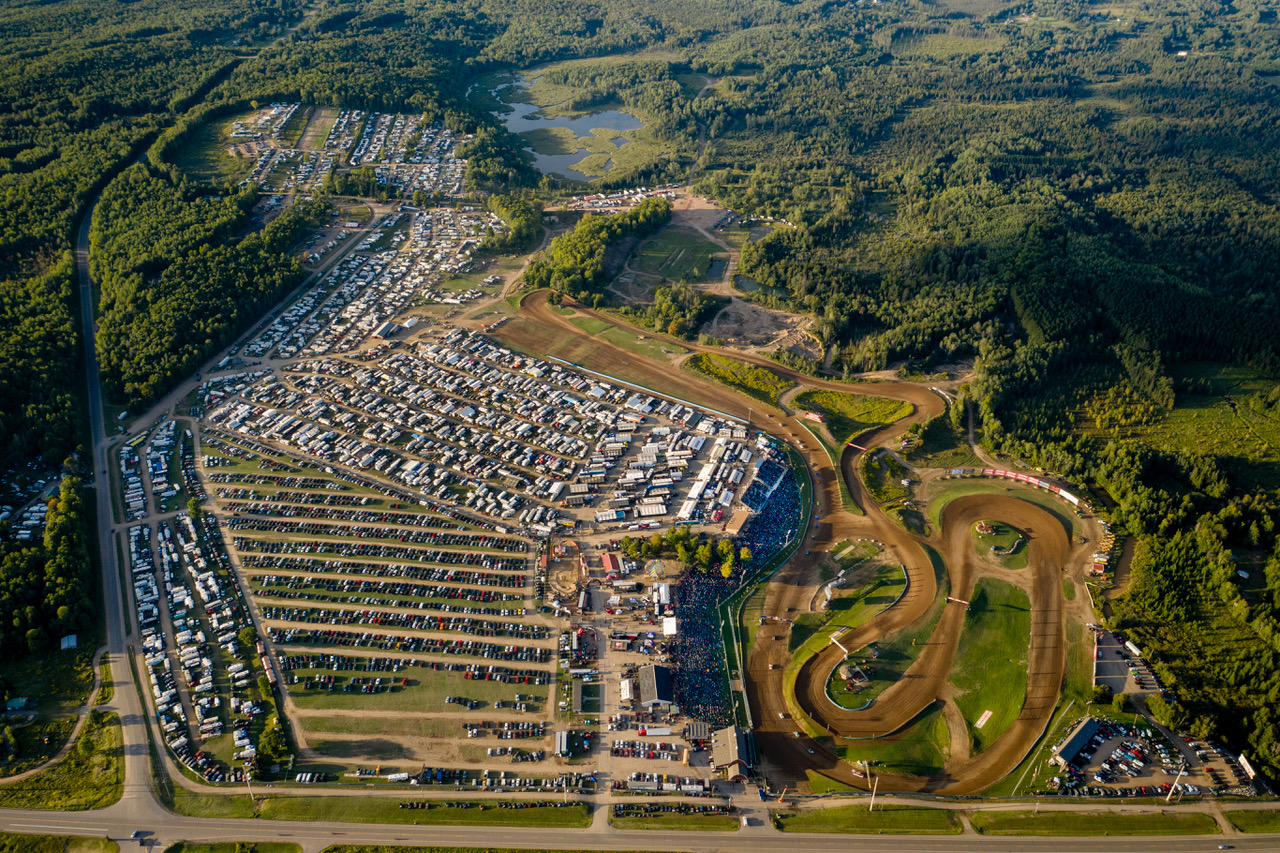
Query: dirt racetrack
(923, 683)
(786, 757)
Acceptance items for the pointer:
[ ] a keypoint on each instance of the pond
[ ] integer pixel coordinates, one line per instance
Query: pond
(521, 117)
(750, 285)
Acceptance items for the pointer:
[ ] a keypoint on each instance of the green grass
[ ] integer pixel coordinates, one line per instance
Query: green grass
(1094, 823)
(378, 809)
(675, 254)
(205, 154)
(591, 325)
(847, 415)
(1209, 423)
(641, 344)
(895, 654)
(91, 776)
(820, 784)
(1004, 538)
(1251, 821)
(811, 632)
(55, 844)
(883, 477)
(400, 726)
(886, 819)
(58, 683)
(943, 446)
(1068, 590)
(919, 749)
(235, 847)
(990, 667)
(944, 492)
(107, 691)
(678, 822)
(758, 382)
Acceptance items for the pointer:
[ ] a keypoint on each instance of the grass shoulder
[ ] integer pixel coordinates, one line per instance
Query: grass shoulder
(1253, 821)
(990, 667)
(55, 844)
(91, 776)
(1093, 823)
(884, 820)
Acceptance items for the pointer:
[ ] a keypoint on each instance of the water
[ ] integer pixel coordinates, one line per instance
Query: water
(715, 270)
(749, 285)
(524, 117)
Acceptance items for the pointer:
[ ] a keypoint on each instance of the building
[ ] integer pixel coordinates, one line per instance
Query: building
(730, 754)
(655, 688)
(1079, 738)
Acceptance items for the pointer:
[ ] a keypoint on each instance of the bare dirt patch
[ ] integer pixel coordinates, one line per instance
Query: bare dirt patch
(755, 328)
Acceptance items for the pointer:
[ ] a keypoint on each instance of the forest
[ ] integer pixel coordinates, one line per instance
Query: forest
(1077, 199)
(574, 264)
(176, 283)
(46, 588)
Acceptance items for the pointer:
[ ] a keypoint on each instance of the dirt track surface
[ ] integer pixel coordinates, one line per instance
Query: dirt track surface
(787, 757)
(925, 680)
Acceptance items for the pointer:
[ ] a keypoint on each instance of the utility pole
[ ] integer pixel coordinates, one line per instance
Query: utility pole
(253, 803)
(1174, 786)
(875, 787)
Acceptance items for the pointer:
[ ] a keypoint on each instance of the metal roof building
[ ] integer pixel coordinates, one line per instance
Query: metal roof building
(655, 687)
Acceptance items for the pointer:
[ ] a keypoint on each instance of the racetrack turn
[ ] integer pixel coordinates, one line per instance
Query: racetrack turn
(794, 586)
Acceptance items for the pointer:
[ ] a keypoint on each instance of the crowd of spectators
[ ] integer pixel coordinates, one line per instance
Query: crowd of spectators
(698, 675)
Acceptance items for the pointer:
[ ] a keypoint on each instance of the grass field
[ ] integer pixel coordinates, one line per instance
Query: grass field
(883, 476)
(990, 667)
(1222, 423)
(591, 325)
(1251, 821)
(679, 822)
(91, 776)
(675, 254)
(57, 683)
(205, 155)
(1003, 538)
(918, 749)
(641, 344)
(1094, 823)
(847, 415)
(943, 492)
(943, 446)
(849, 611)
(55, 844)
(758, 382)
(886, 820)
(526, 336)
